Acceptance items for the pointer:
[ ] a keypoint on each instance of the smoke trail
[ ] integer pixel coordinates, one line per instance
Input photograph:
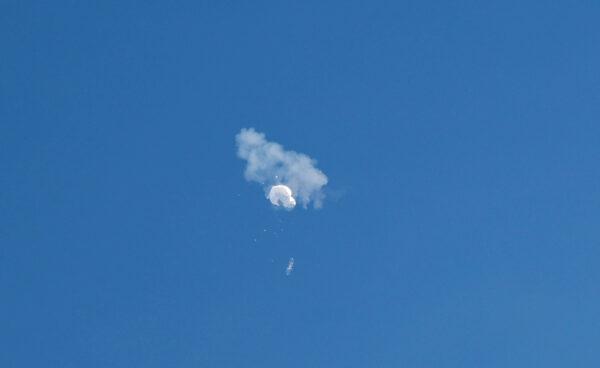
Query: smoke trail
(280, 171)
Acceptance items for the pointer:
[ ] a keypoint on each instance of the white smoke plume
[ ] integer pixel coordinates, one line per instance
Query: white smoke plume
(286, 176)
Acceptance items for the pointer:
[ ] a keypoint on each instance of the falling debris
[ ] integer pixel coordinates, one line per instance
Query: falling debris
(290, 267)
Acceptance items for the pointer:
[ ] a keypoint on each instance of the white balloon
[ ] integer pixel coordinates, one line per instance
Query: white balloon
(281, 195)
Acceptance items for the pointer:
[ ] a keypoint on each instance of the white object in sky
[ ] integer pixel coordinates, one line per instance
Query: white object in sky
(270, 164)
(281, 195)
(290, 267)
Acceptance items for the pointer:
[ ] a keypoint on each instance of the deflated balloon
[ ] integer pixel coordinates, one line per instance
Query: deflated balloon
(281, 195)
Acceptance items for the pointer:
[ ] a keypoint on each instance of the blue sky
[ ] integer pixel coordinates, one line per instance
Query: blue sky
(461, 224)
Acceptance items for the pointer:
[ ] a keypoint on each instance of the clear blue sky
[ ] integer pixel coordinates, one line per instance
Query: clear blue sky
(462, 145)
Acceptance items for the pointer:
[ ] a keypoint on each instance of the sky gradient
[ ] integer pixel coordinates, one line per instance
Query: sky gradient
(460, 227)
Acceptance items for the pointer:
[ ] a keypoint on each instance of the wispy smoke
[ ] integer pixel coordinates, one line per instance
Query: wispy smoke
(269, 164)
